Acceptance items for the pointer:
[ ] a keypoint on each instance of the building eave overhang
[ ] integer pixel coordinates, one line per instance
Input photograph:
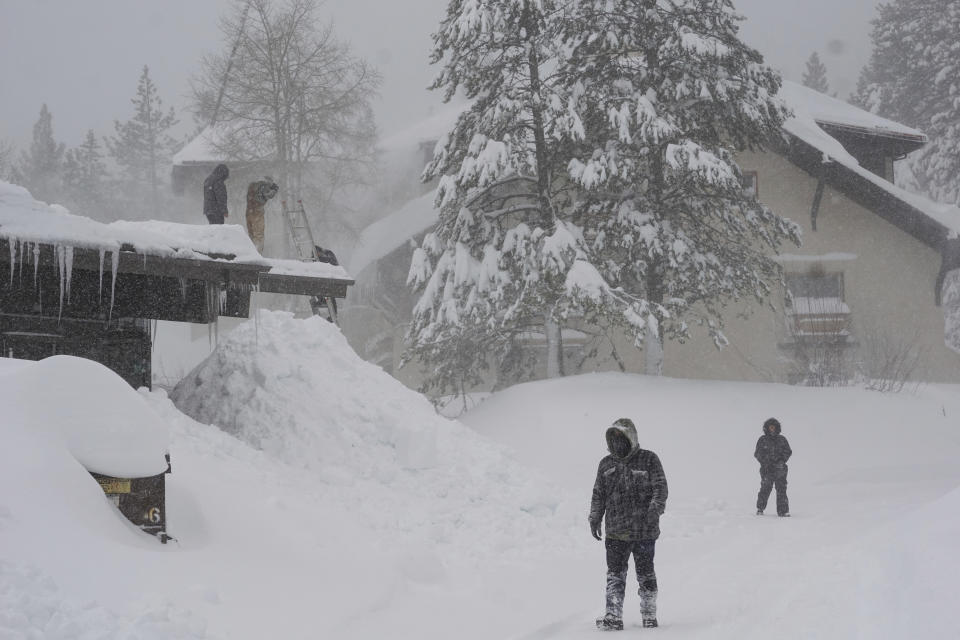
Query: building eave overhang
(220, 269)
(864, 192)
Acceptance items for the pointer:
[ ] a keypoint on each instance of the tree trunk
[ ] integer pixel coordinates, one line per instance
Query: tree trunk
(552, 332)
(536, 113)
(653, 349)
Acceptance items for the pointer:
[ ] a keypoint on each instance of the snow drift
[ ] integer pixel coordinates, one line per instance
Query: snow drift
(297, 391)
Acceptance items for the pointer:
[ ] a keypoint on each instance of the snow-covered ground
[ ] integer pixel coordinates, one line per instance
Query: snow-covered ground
(334, 503)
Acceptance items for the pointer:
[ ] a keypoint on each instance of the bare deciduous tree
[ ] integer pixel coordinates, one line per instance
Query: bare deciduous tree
(888, 362)
(286, 93)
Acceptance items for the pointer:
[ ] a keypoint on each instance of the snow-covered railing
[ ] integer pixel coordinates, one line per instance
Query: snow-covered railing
(823, 317)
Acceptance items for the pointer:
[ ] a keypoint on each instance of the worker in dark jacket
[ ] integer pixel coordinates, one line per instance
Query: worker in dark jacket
(258, 193)
(772, 452)
(215, 195)
(629, 496)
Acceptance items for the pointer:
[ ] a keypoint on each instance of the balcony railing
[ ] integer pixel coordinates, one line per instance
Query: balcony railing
(819, 317)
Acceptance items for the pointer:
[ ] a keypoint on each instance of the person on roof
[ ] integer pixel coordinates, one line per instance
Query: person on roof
(215, 195)
(258, 193)
(629, 496)
(772, 452)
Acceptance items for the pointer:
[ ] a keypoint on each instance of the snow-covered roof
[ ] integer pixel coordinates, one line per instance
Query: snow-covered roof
(387, 234)
(430, 129)
(827, 110)
(811, 109)
(26, 220)
(201, 149)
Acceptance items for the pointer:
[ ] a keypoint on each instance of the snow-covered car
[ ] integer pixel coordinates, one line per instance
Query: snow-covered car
(104, 424)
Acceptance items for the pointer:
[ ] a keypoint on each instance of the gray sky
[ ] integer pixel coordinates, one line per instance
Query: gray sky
(83, 57)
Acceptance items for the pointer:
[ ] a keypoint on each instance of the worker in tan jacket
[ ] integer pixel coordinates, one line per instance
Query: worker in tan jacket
(258, 193)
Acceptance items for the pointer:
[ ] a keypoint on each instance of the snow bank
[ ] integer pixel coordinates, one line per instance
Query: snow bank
(296, 390)
(103, 423)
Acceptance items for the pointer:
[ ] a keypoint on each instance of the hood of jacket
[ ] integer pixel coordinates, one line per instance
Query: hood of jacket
(623, 426)
(776, 426)
(221, 172)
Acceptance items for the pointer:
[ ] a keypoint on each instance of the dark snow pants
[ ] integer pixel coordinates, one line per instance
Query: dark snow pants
(768, 478)
(618, 554)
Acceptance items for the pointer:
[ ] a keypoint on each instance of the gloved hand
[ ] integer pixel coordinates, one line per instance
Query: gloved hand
(595, 530)
(653, 517)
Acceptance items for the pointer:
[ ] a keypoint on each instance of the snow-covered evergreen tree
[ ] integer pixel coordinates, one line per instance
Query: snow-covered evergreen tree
(143, 146)
(668, 93)
(41, 167)
(815, 75)
(504, 258)
(912, 77)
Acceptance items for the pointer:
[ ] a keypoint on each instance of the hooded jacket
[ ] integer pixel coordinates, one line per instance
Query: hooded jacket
(772, 450)
(630, 492)
(215, 192)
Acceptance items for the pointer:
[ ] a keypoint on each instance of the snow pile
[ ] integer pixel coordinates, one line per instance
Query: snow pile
(32, 606)
(296, 390)
(369, 547)
(103, 423)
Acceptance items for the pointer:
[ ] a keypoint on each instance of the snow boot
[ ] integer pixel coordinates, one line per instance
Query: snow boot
(784, 515)
(609, 623)
(759, 512)
(648, 608)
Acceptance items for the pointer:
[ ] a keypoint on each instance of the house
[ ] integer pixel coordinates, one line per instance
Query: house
(74, 286)
(859, 298)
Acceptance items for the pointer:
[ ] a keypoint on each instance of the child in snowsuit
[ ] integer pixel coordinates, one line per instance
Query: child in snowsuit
(772, 452)
(258, 193)
(629, 495)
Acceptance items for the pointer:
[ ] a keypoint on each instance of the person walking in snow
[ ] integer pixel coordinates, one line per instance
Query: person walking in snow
(215, 195)
(258, 193)
(772, 452)
(629, 496)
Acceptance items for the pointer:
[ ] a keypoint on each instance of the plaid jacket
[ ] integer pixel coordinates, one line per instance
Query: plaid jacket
(632, 493)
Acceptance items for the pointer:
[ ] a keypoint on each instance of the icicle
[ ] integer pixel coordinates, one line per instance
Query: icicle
(223, 301)
(22, 258)
(36, 264)
(115, 264)
(61, 271)
(100, 290)
(68, 263)
(183, 289)
(13, 257)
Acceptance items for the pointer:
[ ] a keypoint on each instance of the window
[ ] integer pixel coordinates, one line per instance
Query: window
(815, 284)
(751, 184)
(818, 323)
(815, 305)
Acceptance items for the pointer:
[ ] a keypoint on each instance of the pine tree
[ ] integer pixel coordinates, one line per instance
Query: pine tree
(142, 146)
(86, 179)
(911, 77)
(815, 76)
(668, 94)
(502, 260)
(41, 167)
